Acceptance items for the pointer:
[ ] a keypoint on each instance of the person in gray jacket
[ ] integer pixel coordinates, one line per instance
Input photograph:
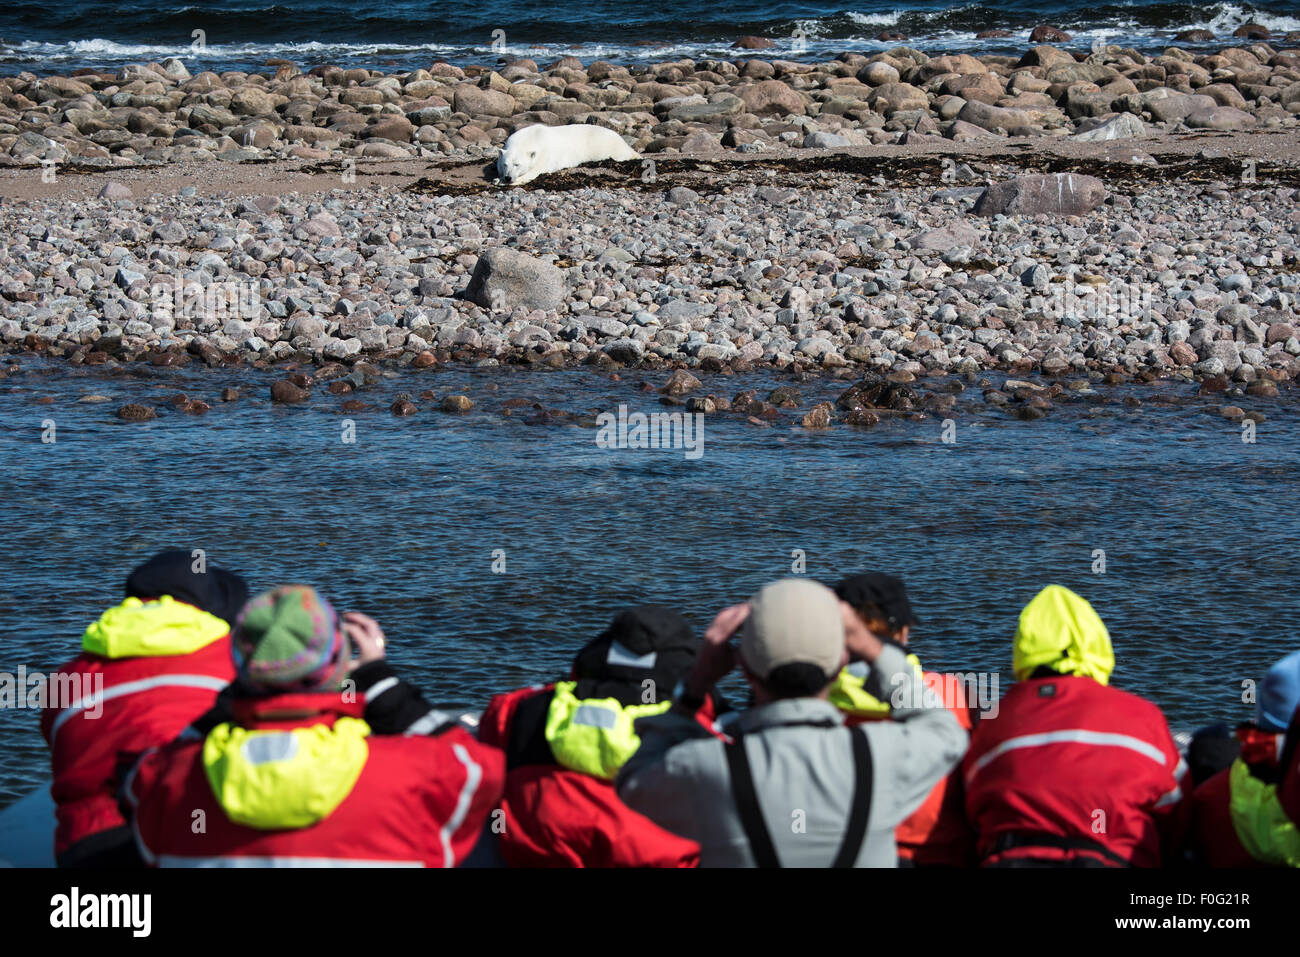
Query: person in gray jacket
(795, 787)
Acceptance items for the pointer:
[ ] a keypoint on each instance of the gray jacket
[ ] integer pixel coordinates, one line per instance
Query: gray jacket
(803, 775)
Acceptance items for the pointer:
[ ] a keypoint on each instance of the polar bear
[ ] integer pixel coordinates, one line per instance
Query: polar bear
(539, 149)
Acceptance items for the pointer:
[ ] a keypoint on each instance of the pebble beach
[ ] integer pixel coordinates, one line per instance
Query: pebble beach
(1109, 214)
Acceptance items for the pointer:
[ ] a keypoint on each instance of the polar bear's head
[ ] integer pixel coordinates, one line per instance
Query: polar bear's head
(516, 163)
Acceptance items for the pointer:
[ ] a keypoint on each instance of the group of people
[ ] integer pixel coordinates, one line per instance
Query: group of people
(272, 731)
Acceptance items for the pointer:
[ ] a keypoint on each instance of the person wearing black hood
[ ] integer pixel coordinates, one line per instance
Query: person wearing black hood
(565, 743)
(937, 833)
(148, 667)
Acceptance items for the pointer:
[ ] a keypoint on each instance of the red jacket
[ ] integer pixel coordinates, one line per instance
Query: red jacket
(146, 701)
(1073, 759)
(937, 833)
(415, 800)
(556, 817)
(1211, 834)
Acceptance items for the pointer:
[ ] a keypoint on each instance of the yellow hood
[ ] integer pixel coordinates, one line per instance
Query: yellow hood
(1060, 630)
(849, 691)
(594, 736)
(136, 629)
(274, 780)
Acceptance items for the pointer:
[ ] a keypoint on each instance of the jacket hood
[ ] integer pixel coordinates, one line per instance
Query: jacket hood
(292, 778)
(178, 573)
(164, 627)
(1059, 630)
(646, 643)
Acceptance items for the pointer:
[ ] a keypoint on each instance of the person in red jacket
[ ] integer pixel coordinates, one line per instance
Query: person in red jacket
(1235, 818)
(297, 777)
(566, 741)
(936, 834)
(1071, 772)
(148, 667)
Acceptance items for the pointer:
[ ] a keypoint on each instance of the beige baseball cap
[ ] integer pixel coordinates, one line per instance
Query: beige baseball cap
(793, 621)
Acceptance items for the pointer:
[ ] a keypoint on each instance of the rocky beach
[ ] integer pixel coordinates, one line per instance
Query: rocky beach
(1075, 216)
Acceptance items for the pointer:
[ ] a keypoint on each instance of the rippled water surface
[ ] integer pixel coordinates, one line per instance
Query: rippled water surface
(1199, 529)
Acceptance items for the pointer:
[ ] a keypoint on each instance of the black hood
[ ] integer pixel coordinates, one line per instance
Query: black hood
(215, 590)
(646, 643)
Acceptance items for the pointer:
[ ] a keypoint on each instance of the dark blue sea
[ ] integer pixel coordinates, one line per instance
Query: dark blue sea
(404, 34)
(1198, 528)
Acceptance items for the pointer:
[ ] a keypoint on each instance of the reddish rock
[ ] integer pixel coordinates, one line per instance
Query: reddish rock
(785, 397)
(818, 417)
(1252, 31)
(287, 392)
(404, 407)
(1057, 194)
(164, 359)
(456, 403)
(134, 412)
(861, 417)
(424, 360)
(229, 395)
(753, 43)
(679, 383)
(1183, 354)
(1049, 34)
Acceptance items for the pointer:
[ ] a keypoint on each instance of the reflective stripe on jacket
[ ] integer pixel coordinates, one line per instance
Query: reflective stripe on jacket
(1071, 758)
(318, 791)
(149, 669)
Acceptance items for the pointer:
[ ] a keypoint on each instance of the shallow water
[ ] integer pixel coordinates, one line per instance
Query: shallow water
(1199, 529)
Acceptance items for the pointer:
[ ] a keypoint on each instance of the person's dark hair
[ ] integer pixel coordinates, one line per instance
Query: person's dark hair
(798, 680)
(874, 617)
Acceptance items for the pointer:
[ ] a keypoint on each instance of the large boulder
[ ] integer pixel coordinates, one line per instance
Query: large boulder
(772, 98)
(505, 279)
(1170, 109)
(890, 98)
(1120, 127)
(1056, 194)
(479, 102)
(990, 118)
(945, 238)
(1219, 118)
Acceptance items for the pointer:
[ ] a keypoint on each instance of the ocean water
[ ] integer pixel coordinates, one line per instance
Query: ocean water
(1198, 528)
(405, 34)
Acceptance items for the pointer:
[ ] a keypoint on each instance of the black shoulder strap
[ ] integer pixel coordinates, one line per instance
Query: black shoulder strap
(856, 831)
(751, 815)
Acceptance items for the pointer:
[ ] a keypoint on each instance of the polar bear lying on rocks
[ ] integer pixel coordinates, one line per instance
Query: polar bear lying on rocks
(535, 150)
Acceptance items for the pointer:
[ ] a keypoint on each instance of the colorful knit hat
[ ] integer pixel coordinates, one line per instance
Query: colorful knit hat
(289, 639)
